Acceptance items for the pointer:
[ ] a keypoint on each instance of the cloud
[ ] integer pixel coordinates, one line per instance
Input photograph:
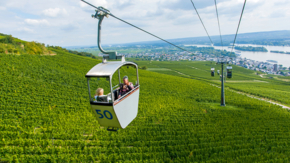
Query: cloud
(122, 4)
(50, 21)
(36, 22)
(54, 12)
(186, 4)
(24, 29)
(70, 27)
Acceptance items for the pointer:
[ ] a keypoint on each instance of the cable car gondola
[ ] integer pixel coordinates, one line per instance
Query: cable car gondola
(111, 110)
(212, 71)
(229, 71)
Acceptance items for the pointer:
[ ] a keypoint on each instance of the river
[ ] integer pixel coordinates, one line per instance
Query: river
(283, 59)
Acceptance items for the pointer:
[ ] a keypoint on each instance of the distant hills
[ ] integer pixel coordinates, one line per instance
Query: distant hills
(277, 38)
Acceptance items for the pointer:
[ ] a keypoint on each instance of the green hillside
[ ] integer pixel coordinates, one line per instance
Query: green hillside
(45, 117)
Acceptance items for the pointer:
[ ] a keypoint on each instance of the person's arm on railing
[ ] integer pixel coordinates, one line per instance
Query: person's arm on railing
(131, 85)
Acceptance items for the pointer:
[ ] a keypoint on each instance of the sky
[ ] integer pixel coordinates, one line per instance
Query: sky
(69, 22)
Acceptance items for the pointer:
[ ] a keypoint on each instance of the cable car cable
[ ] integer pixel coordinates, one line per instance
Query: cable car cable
(239, 25)
(201, 22)
(219, 24)
(136, 26)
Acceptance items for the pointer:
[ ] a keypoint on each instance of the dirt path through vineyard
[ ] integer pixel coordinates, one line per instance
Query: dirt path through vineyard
(243, 93)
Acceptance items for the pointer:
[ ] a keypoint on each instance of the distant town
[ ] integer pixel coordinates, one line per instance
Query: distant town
(269, 67)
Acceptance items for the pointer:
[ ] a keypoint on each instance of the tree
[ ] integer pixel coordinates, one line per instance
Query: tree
(8, 40)
(144, 67)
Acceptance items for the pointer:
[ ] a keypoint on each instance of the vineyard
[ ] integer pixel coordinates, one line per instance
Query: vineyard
(243, 80)
(46, 117)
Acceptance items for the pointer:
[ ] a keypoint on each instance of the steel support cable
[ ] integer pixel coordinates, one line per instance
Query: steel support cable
(239, 25)
(136, 27)
(219, 24)
(201, 22)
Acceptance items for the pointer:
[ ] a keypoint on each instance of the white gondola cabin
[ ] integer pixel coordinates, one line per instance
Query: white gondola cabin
(229, 71)
(113, 106)
(115, 111)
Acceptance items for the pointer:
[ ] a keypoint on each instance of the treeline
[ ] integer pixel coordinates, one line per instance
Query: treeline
(251, 48)
(11, 45)
(36, 48)
(211, 50)
(267, 42)
(7, 39)
(281, 52)
(86, 54)
(276, 51)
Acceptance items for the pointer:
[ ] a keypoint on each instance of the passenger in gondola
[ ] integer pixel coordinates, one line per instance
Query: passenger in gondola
(124, 90)
(100, 97)
(125, 87)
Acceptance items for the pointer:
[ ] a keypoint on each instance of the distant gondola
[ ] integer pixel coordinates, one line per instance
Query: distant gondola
(212, 72)
(229, 71)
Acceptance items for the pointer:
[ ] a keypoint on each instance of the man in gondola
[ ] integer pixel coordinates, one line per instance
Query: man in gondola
(125, 87)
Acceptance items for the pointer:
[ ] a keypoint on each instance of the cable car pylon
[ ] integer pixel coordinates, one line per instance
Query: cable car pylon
(222, 61)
